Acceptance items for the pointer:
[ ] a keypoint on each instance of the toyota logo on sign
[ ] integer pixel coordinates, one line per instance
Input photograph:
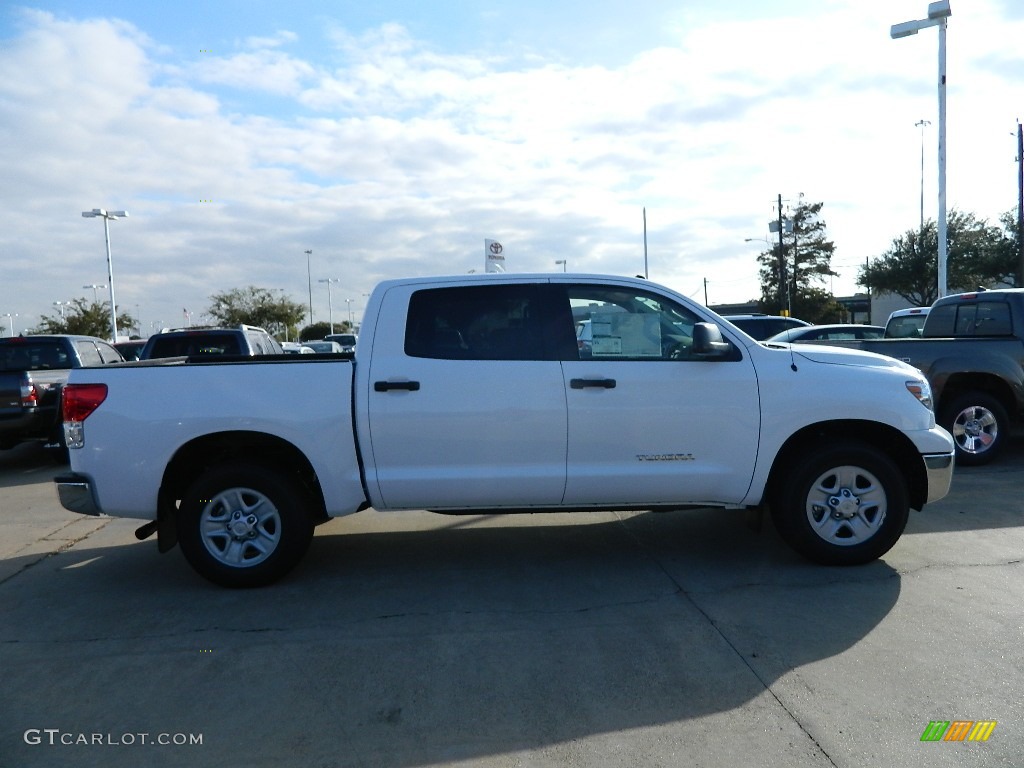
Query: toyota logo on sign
(496, 248)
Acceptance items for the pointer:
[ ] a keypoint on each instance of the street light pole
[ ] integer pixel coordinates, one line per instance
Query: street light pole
(330, 301)
(921, 124)
(107, 216)
(562, 262)
(351, 320)
(10, 321)
(95, 296)
(938, 12)
(309, 277)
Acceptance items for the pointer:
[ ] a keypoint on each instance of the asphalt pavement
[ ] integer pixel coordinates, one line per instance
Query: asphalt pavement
(590, 640)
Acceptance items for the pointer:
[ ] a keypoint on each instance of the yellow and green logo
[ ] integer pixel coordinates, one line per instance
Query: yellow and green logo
(958, 730)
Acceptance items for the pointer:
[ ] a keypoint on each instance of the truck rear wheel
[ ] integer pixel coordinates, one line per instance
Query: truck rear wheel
(241, 525)
(845, 504)
(978, 423)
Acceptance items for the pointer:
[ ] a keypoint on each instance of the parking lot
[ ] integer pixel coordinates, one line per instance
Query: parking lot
(592, 640)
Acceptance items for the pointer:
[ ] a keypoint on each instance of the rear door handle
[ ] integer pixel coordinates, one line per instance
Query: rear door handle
(387, 386)
(599, 383)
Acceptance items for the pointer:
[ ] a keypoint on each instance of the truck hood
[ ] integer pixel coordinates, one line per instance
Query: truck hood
(845, 356)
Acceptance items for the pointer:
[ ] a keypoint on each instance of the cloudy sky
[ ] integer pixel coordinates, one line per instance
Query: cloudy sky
(391, 138)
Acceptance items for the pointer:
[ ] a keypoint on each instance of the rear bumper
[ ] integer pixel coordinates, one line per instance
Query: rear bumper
(76, 494)
(939, 468)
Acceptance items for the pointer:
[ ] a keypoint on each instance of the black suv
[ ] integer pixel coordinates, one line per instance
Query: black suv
(211, 342)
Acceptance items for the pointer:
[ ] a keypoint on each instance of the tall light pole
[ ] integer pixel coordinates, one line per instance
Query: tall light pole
(60, 305)
(309, 277)
(330, 301)
(938, 12)
(351, 320)
(95, 288)
(10, 321)
(562, 262)
(107, 216)
(921, 124)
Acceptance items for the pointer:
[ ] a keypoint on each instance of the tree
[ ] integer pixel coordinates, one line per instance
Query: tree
(1012, 235)
(979, 255)
(257, 306)
(805, 257)
(87, 318)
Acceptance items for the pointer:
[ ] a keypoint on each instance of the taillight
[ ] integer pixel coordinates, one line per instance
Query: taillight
(78, 401)
(29, 395)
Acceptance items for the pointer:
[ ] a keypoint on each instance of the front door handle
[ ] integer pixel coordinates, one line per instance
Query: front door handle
(599, 383)
(388, 386)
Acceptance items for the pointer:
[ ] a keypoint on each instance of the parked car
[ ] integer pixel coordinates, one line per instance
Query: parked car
(346, 340)
(761, 327)
(294, 348)
(906, 323)
(33, 370)
(330, 347)
(130, 350)
(246, 340)
(829, 333)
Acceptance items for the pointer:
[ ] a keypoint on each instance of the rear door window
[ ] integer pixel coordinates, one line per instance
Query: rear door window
(490, 322)
(88, 352)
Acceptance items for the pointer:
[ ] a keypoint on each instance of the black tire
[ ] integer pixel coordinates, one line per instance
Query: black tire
(979, 425)
(244, 525)
(845, 504)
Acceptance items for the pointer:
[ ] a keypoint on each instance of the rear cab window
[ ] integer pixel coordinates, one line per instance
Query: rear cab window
(34, 355)
(980, 318)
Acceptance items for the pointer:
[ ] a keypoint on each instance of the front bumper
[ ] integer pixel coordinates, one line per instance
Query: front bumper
(939, 470)
(76, 494)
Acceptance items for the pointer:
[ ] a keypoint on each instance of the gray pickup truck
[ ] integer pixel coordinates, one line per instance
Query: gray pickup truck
(971, 349)
(33, 369)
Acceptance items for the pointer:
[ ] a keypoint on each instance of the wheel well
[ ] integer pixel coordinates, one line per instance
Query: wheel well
(959, 384)
(197, 456)
(885, 438)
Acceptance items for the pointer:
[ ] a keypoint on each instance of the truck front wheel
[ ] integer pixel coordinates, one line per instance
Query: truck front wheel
(978, 423)
(846, 504)
(241, 525)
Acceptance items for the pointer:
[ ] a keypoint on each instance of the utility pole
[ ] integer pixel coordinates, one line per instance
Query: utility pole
(1020, 205)
(783, 279)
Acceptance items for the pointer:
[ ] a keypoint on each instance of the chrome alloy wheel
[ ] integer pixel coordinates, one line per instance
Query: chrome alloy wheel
(846, 505)
(975, 429)
(240, 527)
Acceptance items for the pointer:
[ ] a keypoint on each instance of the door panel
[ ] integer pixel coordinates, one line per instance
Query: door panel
(656, 425)
(470, 410)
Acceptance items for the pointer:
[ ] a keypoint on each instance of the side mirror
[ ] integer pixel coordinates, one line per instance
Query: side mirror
(708, 342)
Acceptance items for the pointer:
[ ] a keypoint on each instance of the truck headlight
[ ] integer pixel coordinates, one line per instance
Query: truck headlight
(922, 390)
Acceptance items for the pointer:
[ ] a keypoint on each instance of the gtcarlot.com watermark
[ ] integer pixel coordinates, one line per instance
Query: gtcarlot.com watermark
(56, 737)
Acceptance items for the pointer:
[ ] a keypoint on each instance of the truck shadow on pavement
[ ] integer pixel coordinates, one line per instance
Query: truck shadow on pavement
(414, 639)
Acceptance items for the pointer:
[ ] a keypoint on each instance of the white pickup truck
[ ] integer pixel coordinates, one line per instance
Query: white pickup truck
(474, 394)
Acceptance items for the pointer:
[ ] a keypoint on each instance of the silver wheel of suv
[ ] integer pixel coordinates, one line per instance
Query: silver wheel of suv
(240, 527)
(244, 524)
(846, 505)
(843, 503)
